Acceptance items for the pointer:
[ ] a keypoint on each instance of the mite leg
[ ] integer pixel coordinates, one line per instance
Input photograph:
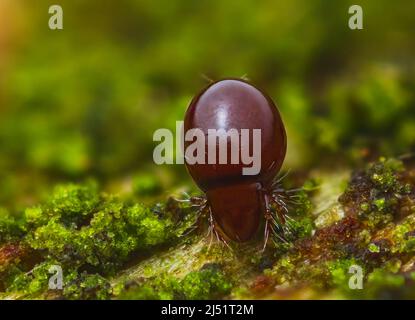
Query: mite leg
(203, 211)
(281, 207)
(201, 206)
(268, 222)
(214, 232)
(200, 215)
(274, 223)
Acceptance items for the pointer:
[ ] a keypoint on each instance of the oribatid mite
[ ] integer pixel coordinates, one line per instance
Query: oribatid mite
(236, 203)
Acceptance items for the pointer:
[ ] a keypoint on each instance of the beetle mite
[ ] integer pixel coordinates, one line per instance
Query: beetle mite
(237, 203)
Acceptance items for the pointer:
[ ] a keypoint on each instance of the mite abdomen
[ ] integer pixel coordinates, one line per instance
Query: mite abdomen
(233, 104)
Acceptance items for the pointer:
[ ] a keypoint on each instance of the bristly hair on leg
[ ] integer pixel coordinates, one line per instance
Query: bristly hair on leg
(201, 204)
(213, 231)
(198, 203)
(203, 210)
(279, 201)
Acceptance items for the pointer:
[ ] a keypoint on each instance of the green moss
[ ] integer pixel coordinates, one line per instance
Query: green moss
(208, 283)
(32, 282)
(35, 283)
(93, 235)
(339, 273)
(373, 248)
(86, 286)
(81, 229)
(376, 233)
(402, 236)
(384, 174)
(163, 287)
(71, 204)
(381, 283)
(376, 192)
(303, 203)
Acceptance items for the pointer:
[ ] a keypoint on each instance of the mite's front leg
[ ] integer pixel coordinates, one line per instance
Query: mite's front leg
(268, 221)
(200, 204)
(215, 232)
(276, 225)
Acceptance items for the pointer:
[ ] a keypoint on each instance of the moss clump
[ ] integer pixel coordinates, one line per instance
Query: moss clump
(376, 233)
(90, 235)
(379, 192)
(35, 283)
(339, 271)
(72, 205)
(302, 228)
(82, 227)
(87, 286)
(210, 282)
(99, 234)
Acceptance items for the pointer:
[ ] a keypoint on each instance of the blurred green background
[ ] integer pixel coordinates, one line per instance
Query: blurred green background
(83, 102)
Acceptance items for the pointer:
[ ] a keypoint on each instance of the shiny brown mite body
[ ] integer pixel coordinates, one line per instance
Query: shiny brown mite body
(236, 203)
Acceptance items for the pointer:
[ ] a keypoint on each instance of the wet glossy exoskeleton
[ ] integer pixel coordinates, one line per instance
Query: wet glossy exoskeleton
(237, 203)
